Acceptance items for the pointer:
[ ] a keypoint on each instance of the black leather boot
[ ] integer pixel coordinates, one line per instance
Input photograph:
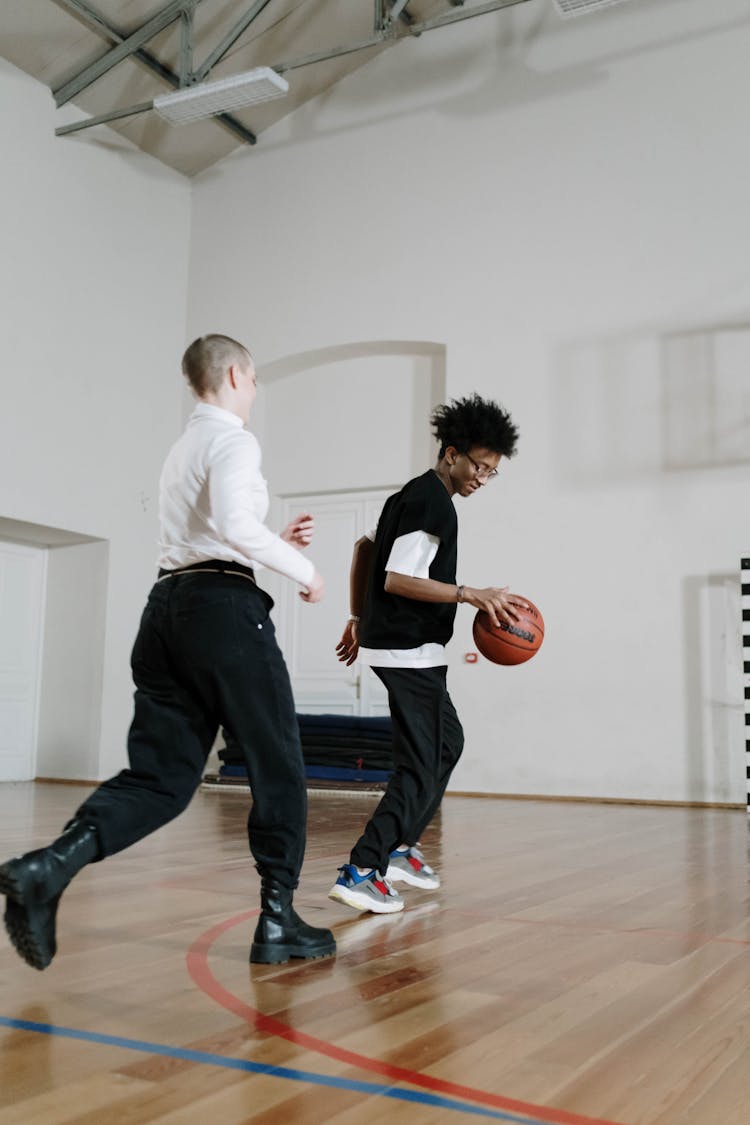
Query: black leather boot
(281, 933)
(33, 885)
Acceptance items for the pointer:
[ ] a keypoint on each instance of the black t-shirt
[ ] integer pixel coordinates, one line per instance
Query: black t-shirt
(391, 621)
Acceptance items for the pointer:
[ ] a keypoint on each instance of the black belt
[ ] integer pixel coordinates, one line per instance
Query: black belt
(211, 566)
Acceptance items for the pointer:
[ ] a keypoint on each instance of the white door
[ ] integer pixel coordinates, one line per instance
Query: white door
(309, 634)
(373, 698)
(22, 575)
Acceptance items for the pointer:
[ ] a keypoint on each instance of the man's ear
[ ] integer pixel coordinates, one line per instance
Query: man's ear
(450, 455)
(232, 373)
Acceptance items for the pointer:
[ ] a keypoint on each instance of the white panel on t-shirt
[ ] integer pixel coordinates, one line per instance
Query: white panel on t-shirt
(412, 554)
(430, 655)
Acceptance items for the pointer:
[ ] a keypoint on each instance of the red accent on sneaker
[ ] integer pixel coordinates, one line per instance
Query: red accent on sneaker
(415, 863)
(381, 887)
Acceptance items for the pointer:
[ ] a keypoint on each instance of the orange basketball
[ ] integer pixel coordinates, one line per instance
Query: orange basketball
(510, 643)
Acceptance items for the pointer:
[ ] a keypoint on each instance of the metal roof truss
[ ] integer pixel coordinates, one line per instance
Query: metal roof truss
(391, 22)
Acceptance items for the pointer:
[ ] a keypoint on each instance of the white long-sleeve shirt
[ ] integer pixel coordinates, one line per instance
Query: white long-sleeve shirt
(213, 500)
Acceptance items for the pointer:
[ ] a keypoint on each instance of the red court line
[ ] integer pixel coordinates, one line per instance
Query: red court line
(198, 968)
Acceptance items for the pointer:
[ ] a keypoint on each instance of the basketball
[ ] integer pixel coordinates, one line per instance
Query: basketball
(510, 643)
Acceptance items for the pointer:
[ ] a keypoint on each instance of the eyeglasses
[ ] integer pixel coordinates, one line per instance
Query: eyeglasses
(481, 472)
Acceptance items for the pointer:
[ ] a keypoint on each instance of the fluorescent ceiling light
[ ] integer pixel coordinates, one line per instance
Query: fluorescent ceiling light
(568, 8)
(209, 98)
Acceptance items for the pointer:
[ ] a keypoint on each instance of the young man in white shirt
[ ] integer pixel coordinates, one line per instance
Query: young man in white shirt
(403, 604)
(205, 655)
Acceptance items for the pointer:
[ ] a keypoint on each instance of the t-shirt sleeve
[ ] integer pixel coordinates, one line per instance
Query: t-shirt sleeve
(411, 554)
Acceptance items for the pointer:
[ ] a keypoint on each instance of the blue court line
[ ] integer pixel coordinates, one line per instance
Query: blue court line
(184, 1053)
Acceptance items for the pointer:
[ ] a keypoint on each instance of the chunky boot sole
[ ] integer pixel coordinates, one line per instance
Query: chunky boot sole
(272, 954)
(30, 924)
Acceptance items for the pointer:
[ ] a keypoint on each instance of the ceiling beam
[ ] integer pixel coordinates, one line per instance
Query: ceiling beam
(96, 22)
(229, 39)
(391, 35)
(103, 118)
(464, 14)
(74, 86)
(388, 11)
(396, 9)
(334, 52)
(92, 19)
(186, 46)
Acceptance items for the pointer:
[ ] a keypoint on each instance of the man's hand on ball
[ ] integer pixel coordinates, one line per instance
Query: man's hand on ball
(497, 602)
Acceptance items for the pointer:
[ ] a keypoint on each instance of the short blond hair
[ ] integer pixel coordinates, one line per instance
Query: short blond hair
(207, 360)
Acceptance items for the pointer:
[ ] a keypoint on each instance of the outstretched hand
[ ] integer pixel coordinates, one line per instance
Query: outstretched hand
(300, 531)
(497, 602)
(348, 646)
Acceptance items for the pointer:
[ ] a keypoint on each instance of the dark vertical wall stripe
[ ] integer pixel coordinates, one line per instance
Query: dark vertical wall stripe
(745, 593)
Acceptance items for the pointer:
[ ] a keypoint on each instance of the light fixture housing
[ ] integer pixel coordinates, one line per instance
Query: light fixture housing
(209, 98)
(570, 8)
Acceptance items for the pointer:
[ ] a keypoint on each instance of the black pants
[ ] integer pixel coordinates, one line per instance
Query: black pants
(427, 743)
(205, 655)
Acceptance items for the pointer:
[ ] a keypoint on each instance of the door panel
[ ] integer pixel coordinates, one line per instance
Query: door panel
(310, 633)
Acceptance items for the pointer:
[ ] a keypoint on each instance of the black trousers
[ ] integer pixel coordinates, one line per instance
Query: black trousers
(427, 743)
(205, 655)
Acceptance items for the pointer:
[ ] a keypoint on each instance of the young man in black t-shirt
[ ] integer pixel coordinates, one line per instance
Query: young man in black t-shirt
(403, 605)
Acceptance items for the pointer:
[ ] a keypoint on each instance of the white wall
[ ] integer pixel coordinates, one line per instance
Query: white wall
(548, 201)
(70, 712)
(317, 414)
(93, 273)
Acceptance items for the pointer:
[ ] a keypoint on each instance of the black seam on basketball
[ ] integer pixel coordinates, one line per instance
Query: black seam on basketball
(509, 644)
(536, 624)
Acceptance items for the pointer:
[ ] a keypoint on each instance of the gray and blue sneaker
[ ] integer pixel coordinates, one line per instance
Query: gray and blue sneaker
(408, 866)
(365, 892)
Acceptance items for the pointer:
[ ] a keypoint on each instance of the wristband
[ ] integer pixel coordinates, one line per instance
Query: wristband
(352, 617)
(459, 594)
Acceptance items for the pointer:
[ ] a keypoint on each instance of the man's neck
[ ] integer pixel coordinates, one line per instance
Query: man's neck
(224, 402)
(443, 471)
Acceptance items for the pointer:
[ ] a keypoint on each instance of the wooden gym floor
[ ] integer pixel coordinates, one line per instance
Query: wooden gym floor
(581, 963)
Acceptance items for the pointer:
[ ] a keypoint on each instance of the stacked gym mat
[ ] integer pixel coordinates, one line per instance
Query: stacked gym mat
(341, 749)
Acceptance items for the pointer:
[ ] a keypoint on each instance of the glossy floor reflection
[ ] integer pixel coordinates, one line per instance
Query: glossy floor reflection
(579, 963)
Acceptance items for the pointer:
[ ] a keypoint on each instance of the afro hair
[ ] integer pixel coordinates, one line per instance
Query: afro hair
(474, 422)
